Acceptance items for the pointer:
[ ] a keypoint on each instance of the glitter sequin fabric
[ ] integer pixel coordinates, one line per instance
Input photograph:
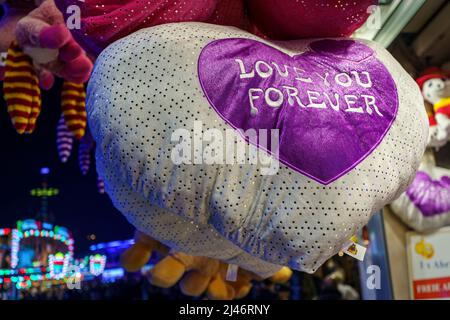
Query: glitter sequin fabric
(295, 19)
(104, 21)
(146, 86)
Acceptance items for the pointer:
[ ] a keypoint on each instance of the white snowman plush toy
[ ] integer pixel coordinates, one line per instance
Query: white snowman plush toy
(435, 86)
(426, 203)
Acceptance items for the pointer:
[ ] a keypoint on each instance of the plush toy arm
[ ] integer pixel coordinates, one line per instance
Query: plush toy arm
(43, 29)
(282, 276)
(196, 275)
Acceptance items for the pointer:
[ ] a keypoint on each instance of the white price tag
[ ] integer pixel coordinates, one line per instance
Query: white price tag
(232, 272)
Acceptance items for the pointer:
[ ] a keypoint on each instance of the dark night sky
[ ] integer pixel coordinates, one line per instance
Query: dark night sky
(79, 206)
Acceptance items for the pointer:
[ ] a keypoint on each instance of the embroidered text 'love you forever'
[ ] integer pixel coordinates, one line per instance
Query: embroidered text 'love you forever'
(332, 104)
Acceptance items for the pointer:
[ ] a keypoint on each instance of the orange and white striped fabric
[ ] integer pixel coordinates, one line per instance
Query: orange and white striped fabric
(21, 90)
(73, 106)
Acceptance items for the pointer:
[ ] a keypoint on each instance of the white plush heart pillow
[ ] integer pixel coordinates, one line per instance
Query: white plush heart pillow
(335, 130)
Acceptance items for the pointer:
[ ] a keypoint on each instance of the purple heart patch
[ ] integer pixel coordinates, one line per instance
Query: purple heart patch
(332, 105)
(430, 196)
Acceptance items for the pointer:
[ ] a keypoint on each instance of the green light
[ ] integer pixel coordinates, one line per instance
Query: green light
(59, 255)
(44, 192)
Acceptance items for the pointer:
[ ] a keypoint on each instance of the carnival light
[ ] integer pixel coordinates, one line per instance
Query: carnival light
(97, 264)
(15, 248)
(5, 231)
(33, 228)
(58, 265)
(112, 274)
(113, 244)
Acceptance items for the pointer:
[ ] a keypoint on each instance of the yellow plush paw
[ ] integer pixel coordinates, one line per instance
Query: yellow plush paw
(167, 272)
(218, 289)
(135, 257)
(283, 275)
(194, 283)
(241, 289)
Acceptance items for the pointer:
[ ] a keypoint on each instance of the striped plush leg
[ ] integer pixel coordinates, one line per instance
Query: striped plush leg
(21, 90)
(74, 108)
(100, 185)
(84, 152)
(64, 140)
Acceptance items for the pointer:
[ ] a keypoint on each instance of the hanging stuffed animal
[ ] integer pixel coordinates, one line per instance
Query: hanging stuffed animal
(39, 29)
(44, 36)
(64, 140)
(40, 46)
(340, 107)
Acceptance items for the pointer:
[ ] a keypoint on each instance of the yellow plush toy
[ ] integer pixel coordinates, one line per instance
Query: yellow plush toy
(195, 274)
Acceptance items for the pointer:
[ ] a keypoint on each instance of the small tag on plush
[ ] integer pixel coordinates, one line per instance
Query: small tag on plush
(232, 272)
(355, 250)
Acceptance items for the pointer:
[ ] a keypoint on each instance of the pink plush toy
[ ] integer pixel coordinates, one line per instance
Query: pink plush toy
(294, 19)
(44, 36)
(38, 27)
(105, 21)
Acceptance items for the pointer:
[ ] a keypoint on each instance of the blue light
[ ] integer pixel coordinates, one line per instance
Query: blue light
(29, 224)
(111, 274)
(112, 244)
(45, 170)
(47, 226)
